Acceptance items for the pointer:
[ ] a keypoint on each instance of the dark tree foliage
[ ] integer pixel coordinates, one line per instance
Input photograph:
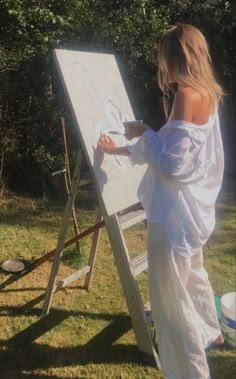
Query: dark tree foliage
(31, 97)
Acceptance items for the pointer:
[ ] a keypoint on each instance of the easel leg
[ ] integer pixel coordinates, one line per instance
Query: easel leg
(62, 235)
(68, 180)
(93, 252)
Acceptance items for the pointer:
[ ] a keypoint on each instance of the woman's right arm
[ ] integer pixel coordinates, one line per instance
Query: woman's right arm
(174, 156)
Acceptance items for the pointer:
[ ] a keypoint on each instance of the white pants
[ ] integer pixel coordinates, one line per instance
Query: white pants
(183, 308)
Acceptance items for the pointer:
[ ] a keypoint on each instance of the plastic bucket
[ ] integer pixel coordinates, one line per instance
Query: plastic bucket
(228, 321)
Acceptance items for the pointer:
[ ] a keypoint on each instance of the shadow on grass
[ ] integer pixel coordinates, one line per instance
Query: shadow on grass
(15, 375)
(26, 217)
(222, 365)
(224, 253)
(28, 289)
(21, 352)
(41, 220)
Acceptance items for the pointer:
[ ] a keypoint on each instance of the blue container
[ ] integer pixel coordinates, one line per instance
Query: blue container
(228, 321)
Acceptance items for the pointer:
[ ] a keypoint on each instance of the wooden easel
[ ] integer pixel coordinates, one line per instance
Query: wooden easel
(128, 268)
(87, 270)
(87, 77)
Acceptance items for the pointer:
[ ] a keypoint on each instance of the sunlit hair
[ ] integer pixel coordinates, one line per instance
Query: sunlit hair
(183, 58)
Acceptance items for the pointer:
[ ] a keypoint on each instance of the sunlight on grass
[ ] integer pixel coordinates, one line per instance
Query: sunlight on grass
(88, 335)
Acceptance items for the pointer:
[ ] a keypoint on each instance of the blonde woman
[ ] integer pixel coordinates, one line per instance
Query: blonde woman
(178, 192)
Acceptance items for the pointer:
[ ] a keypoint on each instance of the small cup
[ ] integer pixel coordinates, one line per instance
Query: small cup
(130, 128)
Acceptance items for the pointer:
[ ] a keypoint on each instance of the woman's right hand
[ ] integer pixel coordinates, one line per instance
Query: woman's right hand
(106, 144)
(134, 129)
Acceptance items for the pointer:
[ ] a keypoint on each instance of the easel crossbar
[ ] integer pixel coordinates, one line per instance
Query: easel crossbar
(38, 262)
(76, 275)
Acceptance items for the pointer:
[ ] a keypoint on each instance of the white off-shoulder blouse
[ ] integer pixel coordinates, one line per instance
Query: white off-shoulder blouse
(184, 175)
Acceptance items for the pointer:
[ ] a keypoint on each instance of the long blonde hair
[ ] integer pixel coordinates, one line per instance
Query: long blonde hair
(184, 58)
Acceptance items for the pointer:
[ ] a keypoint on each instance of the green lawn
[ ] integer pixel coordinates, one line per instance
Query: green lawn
(87, 335)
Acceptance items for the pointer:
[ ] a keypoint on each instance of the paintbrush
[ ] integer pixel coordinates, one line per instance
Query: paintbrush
(115, 132)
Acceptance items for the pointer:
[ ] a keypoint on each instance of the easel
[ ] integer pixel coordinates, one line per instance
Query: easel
(128, 268)
(67, 178)
(95, 230)
(87, 270)
(87, 77)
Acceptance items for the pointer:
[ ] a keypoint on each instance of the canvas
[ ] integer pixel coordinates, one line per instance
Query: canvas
(100, 104)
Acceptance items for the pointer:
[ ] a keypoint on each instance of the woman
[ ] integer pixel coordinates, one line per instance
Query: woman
(178, 192)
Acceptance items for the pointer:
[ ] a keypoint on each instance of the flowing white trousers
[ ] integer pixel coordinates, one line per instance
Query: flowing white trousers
(183, 308)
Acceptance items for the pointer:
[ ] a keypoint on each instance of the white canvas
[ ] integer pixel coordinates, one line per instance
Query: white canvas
(100, 104)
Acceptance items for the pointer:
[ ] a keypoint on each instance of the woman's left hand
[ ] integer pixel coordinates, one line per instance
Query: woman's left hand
(134, 129)
(106, 144)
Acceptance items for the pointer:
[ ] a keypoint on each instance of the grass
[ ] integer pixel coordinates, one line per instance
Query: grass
(87, 335)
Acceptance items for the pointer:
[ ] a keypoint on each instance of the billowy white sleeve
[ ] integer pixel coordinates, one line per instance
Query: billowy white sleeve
(173, 153)
(137, 151)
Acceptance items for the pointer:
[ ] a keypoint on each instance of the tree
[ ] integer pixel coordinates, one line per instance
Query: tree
(31, 98)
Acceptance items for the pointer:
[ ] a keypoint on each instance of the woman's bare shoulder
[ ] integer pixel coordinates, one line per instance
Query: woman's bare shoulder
(183, 105)
(191, 106)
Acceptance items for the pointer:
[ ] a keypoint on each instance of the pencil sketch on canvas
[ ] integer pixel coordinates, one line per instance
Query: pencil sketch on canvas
(100, 104)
